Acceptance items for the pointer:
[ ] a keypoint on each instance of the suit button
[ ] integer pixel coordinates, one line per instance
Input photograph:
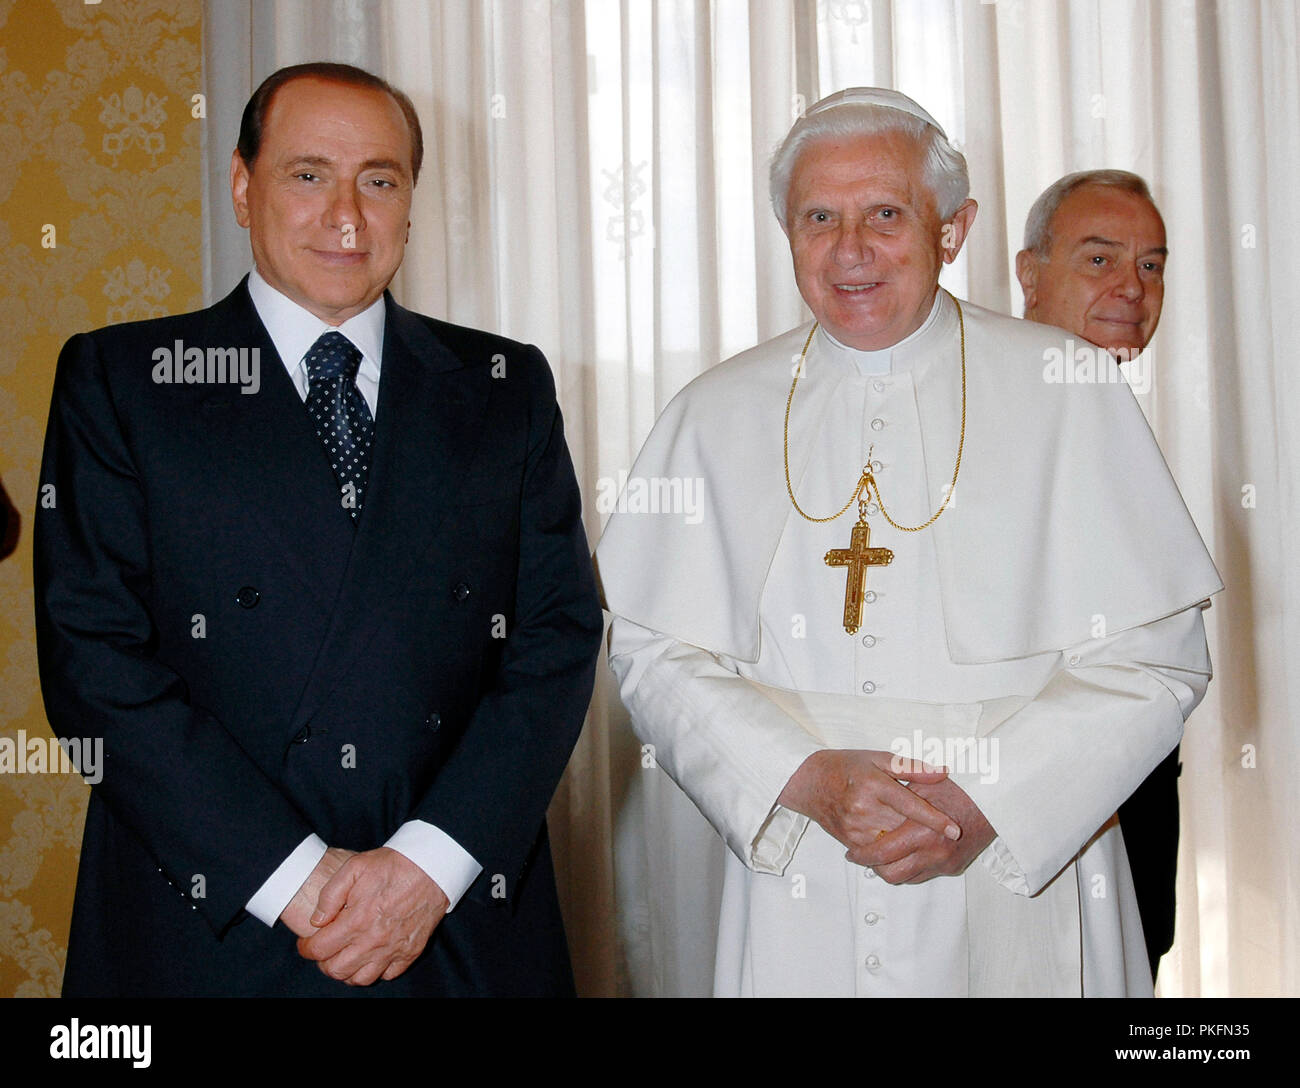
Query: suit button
(303, 735)
(461, 591)
(247, 597)
(434, 722)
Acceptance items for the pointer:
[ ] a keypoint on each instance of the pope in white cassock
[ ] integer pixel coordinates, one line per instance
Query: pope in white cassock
(917, 543)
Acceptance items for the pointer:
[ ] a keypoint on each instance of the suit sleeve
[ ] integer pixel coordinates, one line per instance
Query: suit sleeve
(1073, 753)
(492, 792)
(172, 774)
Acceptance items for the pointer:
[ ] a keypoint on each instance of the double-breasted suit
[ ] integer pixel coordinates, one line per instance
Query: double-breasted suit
(260, 669)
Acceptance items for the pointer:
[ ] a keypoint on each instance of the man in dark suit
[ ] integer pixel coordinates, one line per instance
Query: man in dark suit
(316, 574)
(1094, 265)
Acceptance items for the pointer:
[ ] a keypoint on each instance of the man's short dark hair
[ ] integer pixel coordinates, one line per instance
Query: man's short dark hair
(251, 124)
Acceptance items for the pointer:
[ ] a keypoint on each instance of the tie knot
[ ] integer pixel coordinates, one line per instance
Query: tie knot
(331, 356)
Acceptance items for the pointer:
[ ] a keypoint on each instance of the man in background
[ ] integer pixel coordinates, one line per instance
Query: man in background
(1094, 260)
(1094, 264)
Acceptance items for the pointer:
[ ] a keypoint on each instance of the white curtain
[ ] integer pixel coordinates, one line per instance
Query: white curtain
(595, 183)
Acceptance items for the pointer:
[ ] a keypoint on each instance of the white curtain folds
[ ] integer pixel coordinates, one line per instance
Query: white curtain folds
(595, 182)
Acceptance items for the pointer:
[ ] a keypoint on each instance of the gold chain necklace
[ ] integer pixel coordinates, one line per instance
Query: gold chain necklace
(857, 557)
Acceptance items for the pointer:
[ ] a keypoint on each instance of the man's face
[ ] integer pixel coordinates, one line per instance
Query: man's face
(866, 239)
(328, 200)
(1104, 278)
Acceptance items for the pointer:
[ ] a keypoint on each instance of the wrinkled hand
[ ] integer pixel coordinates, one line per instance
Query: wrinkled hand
(375, 916)
(913, 853)
(856, 794)
(297, 915)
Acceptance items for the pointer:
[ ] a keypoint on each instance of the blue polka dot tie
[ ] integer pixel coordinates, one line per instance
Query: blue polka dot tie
(340, 414)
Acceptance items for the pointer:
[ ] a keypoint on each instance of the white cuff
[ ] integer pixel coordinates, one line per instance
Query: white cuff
(1004, 868)
(439, 855)
(776, 842)
(281, 886)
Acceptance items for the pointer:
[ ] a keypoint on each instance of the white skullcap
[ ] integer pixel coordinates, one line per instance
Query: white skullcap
(874, 96)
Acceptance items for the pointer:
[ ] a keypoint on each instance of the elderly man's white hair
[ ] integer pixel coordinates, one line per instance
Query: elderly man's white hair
(1038, 227)
(869, 111)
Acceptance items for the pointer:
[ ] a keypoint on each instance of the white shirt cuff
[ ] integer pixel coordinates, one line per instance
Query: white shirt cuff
(281, 886)
(439, 855)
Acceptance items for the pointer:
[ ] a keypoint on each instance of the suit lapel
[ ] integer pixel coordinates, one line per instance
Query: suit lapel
(427, 429)
(278, 468)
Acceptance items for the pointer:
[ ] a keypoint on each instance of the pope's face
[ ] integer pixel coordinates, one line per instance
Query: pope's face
(1104, 278)
(866, 238)
(327, 202)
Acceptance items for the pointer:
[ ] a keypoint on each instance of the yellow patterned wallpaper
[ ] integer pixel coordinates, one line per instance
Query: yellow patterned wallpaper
(99, 222)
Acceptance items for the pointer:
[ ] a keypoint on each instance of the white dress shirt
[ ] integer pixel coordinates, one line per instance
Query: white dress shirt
(293, 330)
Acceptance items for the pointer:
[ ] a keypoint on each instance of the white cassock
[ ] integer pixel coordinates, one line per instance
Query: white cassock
(1043, 639)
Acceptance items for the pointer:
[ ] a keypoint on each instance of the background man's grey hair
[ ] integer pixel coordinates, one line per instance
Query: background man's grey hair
(1038, 233)
(943, 167)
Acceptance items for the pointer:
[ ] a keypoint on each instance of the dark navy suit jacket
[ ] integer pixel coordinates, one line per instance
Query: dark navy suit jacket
(260, 669)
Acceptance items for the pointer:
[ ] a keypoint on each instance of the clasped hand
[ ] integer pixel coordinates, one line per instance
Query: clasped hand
(906, 833)
(366, 916)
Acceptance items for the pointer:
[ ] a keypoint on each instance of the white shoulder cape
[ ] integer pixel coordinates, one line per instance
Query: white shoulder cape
(1064, 510)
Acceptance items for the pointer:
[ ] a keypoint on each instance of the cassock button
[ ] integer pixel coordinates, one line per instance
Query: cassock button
(868, 641)
(869, 596)
(871, 918)
(434, 722)
(873, 962)
(878, 386)
(868, 873)
(303, 735)
(876, 466)
(868, 687)
(1074, 660)
(877, 424)
(872, 509)
(461, 591)
(247, 597)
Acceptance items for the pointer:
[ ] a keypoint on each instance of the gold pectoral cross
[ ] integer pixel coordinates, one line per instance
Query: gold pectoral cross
(857, 557)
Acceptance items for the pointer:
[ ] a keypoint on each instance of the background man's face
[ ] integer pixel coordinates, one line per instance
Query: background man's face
(334, 168)
(865, 237)
(1104, 278)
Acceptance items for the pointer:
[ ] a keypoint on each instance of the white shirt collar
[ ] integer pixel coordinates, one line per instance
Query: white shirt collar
(294, 329)
(875, 362)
